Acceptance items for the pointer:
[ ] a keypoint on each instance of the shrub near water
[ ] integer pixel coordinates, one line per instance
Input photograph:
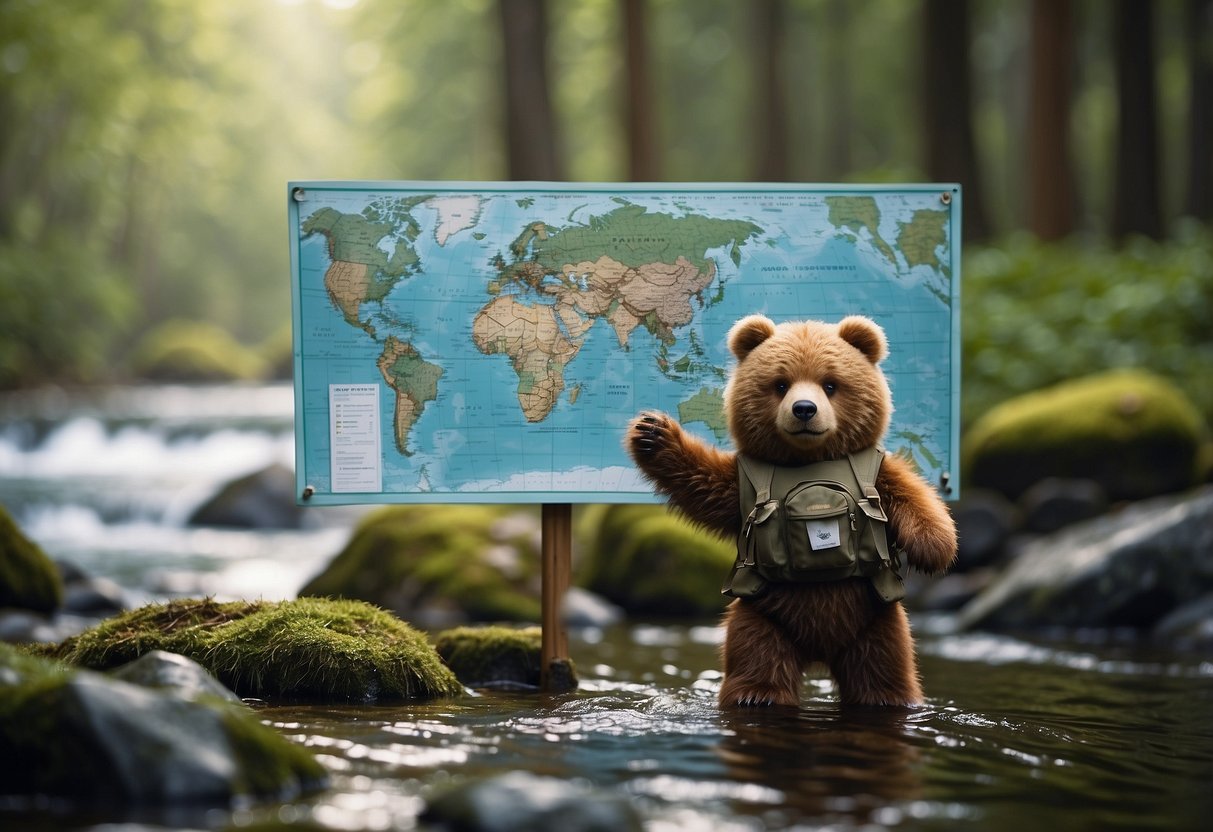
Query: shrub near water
(309, 649)
(1035, 314)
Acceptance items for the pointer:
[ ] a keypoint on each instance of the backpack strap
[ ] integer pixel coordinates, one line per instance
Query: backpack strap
(865, 465)
(744, 581)
(887, 580)
(761, 475)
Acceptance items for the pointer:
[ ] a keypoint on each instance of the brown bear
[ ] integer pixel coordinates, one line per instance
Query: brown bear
(800, 393)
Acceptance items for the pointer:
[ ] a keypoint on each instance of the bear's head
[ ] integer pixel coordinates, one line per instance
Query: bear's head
(805, 391)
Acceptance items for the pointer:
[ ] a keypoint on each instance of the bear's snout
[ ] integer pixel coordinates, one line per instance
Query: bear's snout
(804, 410)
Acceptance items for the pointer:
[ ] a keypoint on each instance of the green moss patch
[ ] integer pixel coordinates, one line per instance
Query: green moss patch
(28, 578)
(1133, 432)
(308, 649)
(492, 656)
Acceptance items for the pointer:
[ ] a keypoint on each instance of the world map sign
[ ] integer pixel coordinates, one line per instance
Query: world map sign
(489, 342)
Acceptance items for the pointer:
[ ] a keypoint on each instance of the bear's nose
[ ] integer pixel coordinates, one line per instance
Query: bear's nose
(804, 410)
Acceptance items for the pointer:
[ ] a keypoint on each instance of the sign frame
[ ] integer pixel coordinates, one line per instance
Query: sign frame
(298, 193)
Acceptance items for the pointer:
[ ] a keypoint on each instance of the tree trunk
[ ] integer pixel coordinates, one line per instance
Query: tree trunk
(770, 136)
(951, 154)
(638, 111)
(1198, 201)
(530, 125)
(1136, 207)
(838, 90)
(1051, 200)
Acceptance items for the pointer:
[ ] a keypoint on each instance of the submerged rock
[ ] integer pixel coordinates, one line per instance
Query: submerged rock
(89, 738)
(1127, 569)
(524, 802)
(311, 648)
(29, 580)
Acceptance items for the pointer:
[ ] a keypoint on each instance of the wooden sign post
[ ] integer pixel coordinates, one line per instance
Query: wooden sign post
(556, 551)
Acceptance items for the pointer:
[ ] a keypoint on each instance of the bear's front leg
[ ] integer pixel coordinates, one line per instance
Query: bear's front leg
(700, 479)
(879, 667)
(761, 663)
(919, 520)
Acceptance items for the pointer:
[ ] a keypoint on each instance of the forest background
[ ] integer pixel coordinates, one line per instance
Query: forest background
(145, 147)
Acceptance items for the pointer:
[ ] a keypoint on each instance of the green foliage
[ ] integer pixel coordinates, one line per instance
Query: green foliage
(1134, 433)
(179, 350)
(1035, 314)
(28, 578)
(63, 309)
(309, 649)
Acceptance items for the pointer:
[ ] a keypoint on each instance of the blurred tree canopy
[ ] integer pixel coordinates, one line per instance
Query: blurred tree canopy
(145, 146)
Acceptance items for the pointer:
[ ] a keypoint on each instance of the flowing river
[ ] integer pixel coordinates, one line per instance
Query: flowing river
(1041, 734)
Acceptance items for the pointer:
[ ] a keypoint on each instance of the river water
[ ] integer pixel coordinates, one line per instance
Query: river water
(1061, 733)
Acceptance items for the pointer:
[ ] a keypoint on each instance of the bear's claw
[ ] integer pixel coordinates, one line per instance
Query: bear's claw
(648, 434)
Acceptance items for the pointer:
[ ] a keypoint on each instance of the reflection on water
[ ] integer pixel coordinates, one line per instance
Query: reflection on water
(1016, 734)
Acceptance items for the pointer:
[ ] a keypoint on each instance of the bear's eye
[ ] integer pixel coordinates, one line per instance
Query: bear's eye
(781, 387)
(830, 387)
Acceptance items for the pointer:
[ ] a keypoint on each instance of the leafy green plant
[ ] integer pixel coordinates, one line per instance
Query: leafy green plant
(1035, 314)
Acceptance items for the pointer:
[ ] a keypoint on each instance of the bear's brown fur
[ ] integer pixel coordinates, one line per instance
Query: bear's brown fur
(772, 637)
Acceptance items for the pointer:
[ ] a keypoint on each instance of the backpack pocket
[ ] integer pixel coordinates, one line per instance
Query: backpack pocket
(821, 530)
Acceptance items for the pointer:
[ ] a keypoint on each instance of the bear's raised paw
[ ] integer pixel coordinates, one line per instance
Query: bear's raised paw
(650, 433)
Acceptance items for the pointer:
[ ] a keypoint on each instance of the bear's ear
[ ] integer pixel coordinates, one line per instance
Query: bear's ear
(748, 333)
(864, 335)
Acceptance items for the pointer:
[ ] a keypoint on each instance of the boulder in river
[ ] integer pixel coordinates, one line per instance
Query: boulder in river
(311, 648)
(1127, 569)
(264, 499)
(498, 657)
(1133, 433)
(89, 738)
(651, 562)
(441, 565)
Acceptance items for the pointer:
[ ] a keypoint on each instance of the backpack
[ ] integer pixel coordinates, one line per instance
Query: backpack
(818, 522)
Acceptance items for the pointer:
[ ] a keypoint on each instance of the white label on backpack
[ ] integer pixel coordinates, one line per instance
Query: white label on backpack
(823, 534)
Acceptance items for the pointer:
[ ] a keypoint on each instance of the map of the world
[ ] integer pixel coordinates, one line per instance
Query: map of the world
(459, 342)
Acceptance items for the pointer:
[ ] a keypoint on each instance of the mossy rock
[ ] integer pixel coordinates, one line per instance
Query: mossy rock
(195, 351)
(441, 565)
(1134, 433)
(29, 580)
(57, 722)
(312, 648)
(603, 530)
(492, 656)
(649, 561)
